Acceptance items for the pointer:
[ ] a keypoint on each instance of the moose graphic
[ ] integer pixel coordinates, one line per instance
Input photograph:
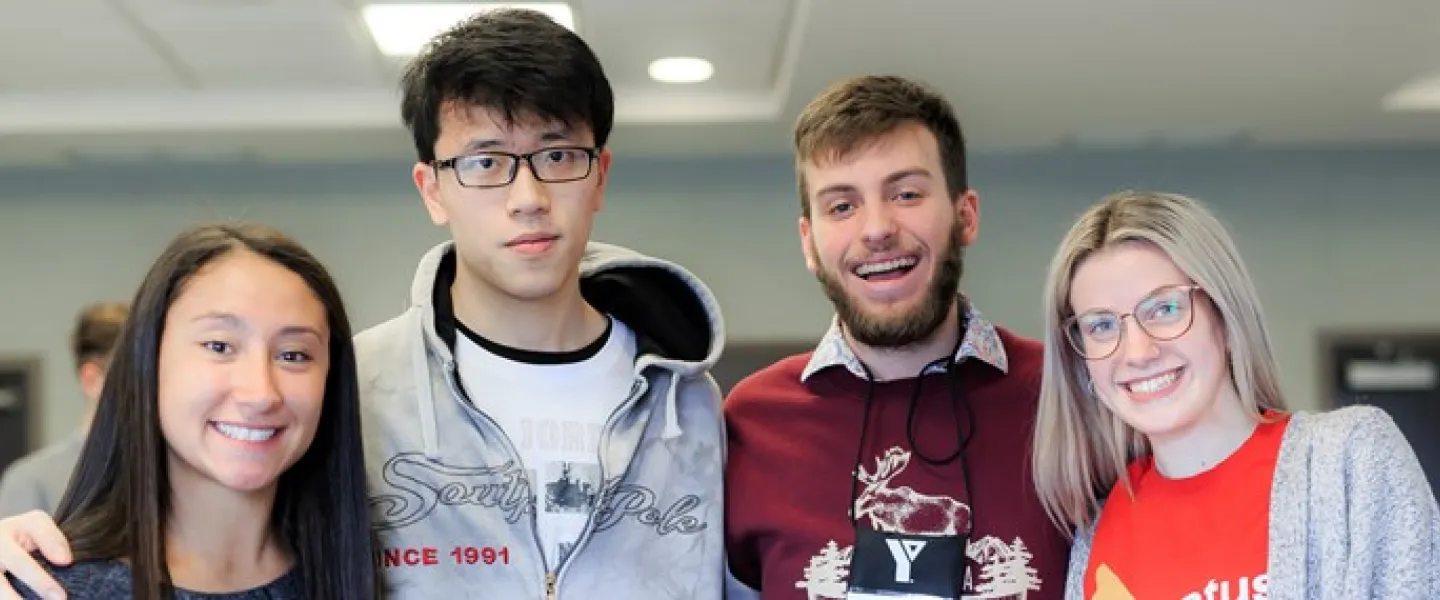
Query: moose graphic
(1004, 569)
(902, 509)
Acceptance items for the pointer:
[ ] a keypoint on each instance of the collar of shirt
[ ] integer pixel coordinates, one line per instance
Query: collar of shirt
(980, 342)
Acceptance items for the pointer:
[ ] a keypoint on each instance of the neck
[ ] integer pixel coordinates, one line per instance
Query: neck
(87, 418)
(887, 364)
(218, 539)
(1208, 442)
(561, 322)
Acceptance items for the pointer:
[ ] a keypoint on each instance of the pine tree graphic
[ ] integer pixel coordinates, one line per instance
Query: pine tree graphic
(1008, 573)
(827, 574)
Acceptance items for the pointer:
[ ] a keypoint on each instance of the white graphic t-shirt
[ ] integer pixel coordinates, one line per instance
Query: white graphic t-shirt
(552, 406)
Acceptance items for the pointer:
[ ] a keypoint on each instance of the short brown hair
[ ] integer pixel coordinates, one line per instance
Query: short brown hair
(96, 331)
(854, 112)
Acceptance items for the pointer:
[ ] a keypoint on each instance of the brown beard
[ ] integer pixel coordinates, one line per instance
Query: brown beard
(915, 326)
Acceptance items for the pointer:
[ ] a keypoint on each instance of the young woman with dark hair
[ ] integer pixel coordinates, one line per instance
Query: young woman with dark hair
(225, 460)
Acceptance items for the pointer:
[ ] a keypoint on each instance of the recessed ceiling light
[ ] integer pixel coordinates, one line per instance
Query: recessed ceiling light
(403, 29)
(681, 69)
(1420, 94)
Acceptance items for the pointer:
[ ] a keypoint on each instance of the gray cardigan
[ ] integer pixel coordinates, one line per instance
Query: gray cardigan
(1351, 514)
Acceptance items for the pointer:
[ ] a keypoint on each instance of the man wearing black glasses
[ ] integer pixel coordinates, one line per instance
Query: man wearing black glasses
(541, 421)
(563, 439)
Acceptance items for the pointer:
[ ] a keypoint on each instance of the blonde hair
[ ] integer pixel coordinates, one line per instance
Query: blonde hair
(1080, 448)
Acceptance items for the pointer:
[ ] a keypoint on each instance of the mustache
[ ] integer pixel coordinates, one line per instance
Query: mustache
(917, 324)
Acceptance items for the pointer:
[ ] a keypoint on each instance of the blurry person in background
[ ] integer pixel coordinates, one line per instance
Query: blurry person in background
(36, 481)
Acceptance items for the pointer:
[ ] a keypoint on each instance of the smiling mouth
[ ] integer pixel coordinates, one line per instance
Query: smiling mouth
(245, 434)
(1156, 383)
(887, 269)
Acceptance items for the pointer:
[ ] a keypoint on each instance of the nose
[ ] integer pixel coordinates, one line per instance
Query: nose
(527, 195)
(1137, 347)
(254, 383)
(880, 227)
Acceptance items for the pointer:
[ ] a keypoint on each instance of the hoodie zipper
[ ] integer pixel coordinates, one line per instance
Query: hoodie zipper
(451, 381)
(637, 389)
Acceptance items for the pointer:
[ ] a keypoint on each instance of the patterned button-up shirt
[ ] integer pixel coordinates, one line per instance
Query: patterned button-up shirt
(980, 342)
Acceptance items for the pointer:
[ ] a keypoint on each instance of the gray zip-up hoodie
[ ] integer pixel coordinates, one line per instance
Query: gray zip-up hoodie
(1352, 516)
(454, 517)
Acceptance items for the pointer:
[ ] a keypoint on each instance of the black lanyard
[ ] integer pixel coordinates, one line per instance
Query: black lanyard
(887, 560)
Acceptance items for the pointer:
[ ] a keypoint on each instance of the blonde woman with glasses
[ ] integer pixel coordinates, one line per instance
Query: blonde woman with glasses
(1164, 439)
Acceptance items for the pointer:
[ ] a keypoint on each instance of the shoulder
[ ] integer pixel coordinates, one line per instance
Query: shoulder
(382, 336)
(768, 386)
(1024, 361)
(22, 470)
(85, 579)
(382, 347)
(1346, 448)
(1023, 354)
(1360, 430)
(59, 455)
(29, 481)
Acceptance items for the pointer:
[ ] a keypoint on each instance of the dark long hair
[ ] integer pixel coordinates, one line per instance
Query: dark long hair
(119, 495)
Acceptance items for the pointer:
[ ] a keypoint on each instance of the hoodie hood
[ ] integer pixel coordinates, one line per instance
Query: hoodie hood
(675, 317)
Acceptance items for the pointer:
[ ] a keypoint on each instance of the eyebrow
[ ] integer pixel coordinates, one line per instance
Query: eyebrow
(558, 134)
(232, 321)
(889, 180)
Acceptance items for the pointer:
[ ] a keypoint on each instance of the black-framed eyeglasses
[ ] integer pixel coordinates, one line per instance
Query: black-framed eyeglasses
(1164, 314)
(492, 169)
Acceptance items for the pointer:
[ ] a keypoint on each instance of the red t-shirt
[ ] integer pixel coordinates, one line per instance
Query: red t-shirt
(1199, 538)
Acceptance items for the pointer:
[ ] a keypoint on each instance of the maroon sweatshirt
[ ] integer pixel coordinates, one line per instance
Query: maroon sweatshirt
(792, 450)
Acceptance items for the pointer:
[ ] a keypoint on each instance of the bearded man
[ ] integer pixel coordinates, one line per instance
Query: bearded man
(891, 461)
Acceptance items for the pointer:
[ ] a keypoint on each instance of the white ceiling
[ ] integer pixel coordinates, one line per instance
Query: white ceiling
(284, 80)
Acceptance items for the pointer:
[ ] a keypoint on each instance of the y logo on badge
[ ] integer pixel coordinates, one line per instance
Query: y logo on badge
(904, 552)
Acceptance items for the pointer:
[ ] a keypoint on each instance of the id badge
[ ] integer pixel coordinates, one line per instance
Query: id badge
(897, 566)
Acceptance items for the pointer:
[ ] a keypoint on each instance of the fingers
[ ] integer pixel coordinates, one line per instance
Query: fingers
(24, 568)
(44, 536)
(20, 535)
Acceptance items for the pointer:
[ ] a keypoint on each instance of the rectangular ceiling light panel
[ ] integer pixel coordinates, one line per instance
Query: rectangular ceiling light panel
(403, 29)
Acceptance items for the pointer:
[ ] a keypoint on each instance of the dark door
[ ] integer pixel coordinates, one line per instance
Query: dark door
(15, 397)
(1400, 375)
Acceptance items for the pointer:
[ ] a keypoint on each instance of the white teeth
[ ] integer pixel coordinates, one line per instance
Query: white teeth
(1154, 384)
(244, 434)
(869, 269)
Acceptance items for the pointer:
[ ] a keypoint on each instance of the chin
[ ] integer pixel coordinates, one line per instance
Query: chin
(532, 288)
(1165, 425)
(1163, 417)
(248, 480)
(888, 309)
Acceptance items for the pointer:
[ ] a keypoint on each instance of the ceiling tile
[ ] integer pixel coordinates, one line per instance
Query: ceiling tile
(741, 38)
(74, 47)
(265, 44)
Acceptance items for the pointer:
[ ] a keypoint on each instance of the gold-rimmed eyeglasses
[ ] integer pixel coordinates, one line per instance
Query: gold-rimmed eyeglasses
(1164, 314)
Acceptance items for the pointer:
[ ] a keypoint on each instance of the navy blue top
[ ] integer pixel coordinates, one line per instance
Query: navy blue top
(110, 579)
